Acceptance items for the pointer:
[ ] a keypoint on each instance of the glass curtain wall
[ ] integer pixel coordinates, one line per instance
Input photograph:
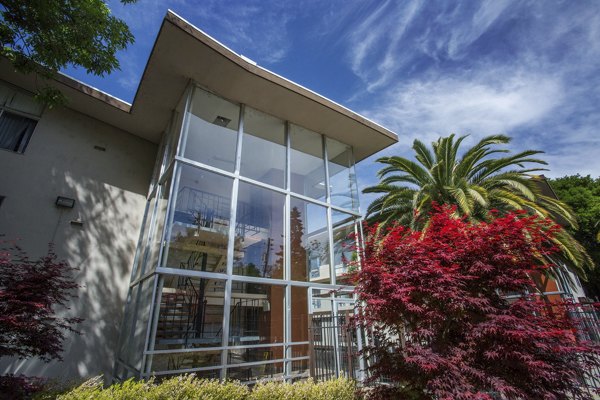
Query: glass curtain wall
(248, 216)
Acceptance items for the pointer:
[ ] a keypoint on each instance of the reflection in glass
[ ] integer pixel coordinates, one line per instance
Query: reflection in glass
(306, 163)
(256, 314)
(255, 372)
(209, 374)
(324, 327)
(300, 367)
(263, 148)
(259, 243)
(309, 242)
(344, 243)
(299, 316)
(254, 354)
(183, 361)
(342, 177)
(190, 315)
(212, 131)
(200, 225)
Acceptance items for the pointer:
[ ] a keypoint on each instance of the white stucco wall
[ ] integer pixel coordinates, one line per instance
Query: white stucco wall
(110, 189)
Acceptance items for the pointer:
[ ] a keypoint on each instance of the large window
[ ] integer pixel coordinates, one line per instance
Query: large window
(243, 266)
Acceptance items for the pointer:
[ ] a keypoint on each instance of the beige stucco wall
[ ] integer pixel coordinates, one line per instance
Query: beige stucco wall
(110, 188)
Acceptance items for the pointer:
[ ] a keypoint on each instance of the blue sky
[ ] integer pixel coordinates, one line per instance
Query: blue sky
(529, 69)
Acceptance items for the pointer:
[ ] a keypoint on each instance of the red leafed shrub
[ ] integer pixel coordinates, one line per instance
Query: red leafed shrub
(30, 292)
(443, 327)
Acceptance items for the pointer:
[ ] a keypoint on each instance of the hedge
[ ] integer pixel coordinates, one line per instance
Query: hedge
(189, 387)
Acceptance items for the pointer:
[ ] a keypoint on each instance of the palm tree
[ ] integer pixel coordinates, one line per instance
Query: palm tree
(476, 182)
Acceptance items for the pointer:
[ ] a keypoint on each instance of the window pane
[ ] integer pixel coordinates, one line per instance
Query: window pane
(342, 177)
(256, 314)
(307, 165)
(259, 232)
(299, 318)
(15, 131)
(263, 148)
(344, 253)
(200, 226)
(191, 314)
(309, 242)
(212, 132)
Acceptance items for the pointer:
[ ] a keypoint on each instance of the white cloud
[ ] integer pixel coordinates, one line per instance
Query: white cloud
(377, 38)
(490, 102)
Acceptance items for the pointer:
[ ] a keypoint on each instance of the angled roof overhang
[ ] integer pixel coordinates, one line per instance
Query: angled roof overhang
(182, 53)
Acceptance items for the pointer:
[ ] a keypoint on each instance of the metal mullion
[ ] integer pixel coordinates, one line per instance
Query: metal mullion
(336, 339)
(231, 243)
(238, 149)
(288, 327)
(323, 203)
(207, 167)
(165, 175)
(138, 248)
(353, 162)
(183, 133)
(287, 366)
(288, 288)
(331, 249)
(142, 278)
(169, 216)
(121, 337)
(153, 321)
(253, 363)
(250, 279)
(359, 344)
(326, 160)
(151, 234)
(182, 371)
(191, 273)
(216, 348)
(288, 157)
(298, 343)
(148, 324)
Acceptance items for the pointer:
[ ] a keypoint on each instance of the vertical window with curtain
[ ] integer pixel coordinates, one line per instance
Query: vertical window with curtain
(19, 113)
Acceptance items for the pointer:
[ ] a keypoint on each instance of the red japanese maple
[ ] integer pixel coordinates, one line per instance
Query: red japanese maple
(30, 293)
(442, 324)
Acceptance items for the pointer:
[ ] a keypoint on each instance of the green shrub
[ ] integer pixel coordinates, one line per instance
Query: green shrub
(339, 389)
(189, 387)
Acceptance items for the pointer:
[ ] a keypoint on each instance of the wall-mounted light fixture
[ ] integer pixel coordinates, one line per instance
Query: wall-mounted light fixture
(65, 202)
